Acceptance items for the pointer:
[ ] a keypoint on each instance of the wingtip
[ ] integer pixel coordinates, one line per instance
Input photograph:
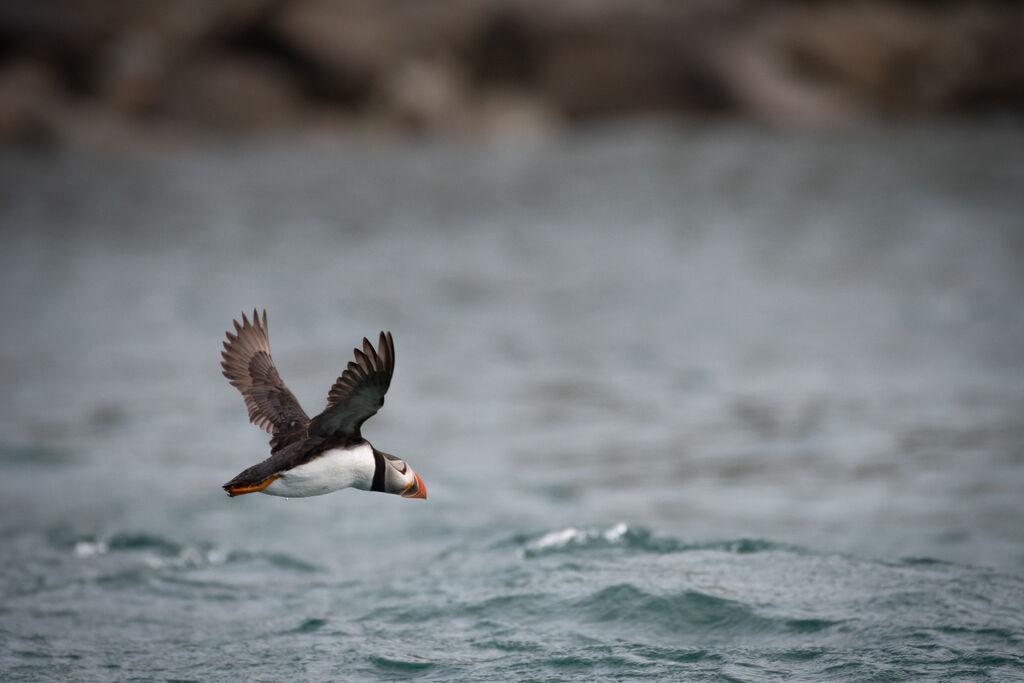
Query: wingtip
(257, 320)
(390, 347)
(257, 323)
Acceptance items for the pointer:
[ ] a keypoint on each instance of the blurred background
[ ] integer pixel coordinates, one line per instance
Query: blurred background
(100, 71)
(710, 343)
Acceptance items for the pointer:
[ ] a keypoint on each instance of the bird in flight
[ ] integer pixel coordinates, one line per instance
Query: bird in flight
(310, 457)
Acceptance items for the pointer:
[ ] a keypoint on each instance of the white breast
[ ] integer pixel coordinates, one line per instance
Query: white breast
(335, 469)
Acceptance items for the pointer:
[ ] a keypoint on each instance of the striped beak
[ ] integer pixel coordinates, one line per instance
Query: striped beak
(415, 489)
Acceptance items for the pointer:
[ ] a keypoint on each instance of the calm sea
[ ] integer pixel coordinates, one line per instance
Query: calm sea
(710, 403)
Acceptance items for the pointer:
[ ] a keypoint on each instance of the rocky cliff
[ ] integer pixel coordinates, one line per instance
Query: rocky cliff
(70, 70)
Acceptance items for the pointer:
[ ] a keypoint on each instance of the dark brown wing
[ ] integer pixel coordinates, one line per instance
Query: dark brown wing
(250, 369)
(358, 393)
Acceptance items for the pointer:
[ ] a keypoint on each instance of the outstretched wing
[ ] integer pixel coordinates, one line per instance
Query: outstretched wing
(358, 393)
(250, 369)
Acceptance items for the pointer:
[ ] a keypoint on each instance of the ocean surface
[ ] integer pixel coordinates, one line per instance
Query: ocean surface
(699, 403)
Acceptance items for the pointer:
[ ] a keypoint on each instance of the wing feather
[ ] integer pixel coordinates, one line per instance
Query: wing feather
(358, 393)
(247, 364)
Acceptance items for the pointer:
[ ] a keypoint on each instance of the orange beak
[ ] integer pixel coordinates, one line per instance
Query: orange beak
(415, 489)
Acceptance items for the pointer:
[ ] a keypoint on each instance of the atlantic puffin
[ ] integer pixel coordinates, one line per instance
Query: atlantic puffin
(311, 457)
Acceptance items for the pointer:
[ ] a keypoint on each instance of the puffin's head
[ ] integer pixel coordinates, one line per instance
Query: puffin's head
(393, 475)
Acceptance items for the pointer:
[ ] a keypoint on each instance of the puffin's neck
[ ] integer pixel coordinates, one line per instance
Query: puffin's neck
(379, 467)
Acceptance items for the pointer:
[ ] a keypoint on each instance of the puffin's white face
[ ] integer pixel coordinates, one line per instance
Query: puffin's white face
(398, 477)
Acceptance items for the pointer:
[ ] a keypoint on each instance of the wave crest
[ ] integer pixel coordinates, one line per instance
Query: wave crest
(159, 552)
(574, 537)
(639, 539)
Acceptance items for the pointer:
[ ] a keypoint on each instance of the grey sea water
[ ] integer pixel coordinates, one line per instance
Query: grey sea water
(701, 404)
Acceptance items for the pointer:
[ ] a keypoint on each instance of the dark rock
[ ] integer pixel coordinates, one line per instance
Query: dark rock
(30, 103)
(227, 91)
(484, 66)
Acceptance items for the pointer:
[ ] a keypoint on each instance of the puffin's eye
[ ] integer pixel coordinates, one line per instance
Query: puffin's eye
(401, 468)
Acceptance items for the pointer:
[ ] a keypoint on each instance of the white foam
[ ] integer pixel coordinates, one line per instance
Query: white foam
(557, 539)
(90, 549)
(574, 536)
(615, 532)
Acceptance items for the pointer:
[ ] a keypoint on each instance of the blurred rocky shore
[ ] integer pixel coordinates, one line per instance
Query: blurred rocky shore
(73, 71)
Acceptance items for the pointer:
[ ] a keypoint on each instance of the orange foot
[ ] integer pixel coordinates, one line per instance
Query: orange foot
(256, 488)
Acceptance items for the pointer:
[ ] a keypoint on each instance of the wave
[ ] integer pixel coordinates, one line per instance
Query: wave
(623, 536)
(641, 614)
(685, 612)
(160, 552)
